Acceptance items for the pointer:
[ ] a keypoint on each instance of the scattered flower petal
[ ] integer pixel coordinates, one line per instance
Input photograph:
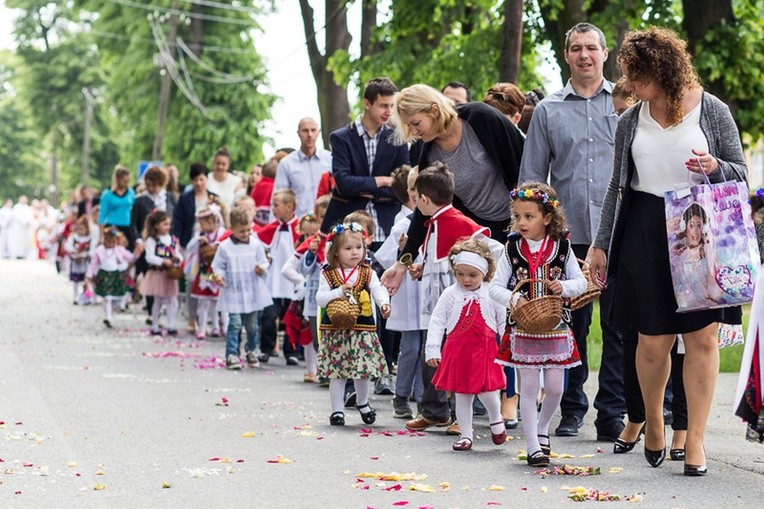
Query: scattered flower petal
(615, 470)
(401, 502)
(99, 487)
(166, 485)
(496, 487)
(444, 486)
(248, 434)
(424, 488)
(280, 460)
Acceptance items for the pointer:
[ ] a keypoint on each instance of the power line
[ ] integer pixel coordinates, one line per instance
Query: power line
(227, 7)
(197, 15)
(215, 49)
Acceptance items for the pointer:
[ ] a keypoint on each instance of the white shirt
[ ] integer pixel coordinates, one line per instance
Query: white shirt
(302, 174)
(659, 154)
(326, 294)
(226, 189)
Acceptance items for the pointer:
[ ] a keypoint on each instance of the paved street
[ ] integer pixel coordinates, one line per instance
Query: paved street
(115, 418)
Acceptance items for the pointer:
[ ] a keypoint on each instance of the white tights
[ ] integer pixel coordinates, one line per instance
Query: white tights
(311, 358)
(76, 291)
(337, 393)
(202, 313)
(172, 309)
(492, 403)
(535, 423)
(107, 307)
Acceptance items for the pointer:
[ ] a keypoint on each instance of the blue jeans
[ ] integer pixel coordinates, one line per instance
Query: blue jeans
(250, 322)
(409, 370)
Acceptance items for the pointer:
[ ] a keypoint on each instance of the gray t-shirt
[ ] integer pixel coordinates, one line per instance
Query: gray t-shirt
(477, 179)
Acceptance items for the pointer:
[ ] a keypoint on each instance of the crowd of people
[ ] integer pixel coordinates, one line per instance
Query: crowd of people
(422, 243)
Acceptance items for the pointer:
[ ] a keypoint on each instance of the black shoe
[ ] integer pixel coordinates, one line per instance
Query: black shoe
(568, 427)
(621, 446)
(367, 417)
(677, 454)
(511, 423)
(538, 459)
(108, 325)
(546, 446)
(350, 399)
(263, 357)
(655, 458)
(292, 361)
(695, 470)
(668, 416)
(337, 419)
(172, 332)
(611, 432)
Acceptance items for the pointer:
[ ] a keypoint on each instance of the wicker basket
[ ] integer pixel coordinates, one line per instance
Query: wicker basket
(591, 293)
(537, 315)
(174, 272)
(207, 252)
(342, 312)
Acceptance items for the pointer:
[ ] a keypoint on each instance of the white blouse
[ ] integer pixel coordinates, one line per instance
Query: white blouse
(326, 294)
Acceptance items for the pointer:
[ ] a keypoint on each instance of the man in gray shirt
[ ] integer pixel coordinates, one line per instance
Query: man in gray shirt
(570, 142)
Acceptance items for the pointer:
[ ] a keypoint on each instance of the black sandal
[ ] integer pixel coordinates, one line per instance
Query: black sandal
(337, 419)
(547, 447)
(369, 417)
(538, 459)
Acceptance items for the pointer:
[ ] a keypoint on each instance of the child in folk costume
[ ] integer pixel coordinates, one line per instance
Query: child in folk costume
(239, 266)
(201, 250)
(538, 249)
(108, 266)
(162, 253)
(353, 352)
(749, 397)
(279, 237)
(471, 323)
(446, 226)
(304, 270)
(79, 246)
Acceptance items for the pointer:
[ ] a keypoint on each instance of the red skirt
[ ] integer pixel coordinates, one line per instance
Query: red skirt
(556, 348)
(467, 362)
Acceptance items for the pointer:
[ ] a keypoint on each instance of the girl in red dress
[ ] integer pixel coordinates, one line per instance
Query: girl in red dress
(538, 250)
(471, 323)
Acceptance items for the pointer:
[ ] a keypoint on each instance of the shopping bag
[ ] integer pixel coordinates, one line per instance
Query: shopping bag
(712, 245)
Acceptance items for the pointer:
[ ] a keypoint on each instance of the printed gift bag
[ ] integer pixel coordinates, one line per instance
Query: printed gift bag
(712, 245)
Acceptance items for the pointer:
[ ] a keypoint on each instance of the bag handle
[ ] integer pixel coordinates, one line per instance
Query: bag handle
(517, 288)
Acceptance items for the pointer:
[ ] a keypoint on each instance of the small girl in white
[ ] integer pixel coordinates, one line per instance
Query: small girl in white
(538, 249)
(471, 323)
(161, 253)
(201, 250)
(79, 246)
(355, 352)
(109, 264)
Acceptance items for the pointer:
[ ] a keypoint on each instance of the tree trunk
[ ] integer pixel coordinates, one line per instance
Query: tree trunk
(368, 22)
(699, 17)
(511, 42)
(558, 22)
(333, 103)
(196, 30)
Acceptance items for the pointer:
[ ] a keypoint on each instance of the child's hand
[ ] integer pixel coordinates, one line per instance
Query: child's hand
(347, 288)
(313, 247)
(167, 263)
(415, 270)
(138, 249)
(433, 363)
(203, 241)
(385, 311)
(555, 287)
(521, 302)
(259, 270)
(219, 280)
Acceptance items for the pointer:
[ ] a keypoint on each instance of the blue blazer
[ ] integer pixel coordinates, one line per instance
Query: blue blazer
(350, 168)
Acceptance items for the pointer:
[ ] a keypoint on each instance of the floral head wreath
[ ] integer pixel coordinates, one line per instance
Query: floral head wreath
(344, 228)
(111, 231)
(310, 216)
(534, 195)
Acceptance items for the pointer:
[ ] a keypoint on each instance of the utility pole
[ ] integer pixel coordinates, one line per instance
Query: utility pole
(164, 91)
(89, 100)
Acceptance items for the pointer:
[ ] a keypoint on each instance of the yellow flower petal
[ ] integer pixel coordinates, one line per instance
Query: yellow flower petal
(615, 470)
(100, 472)
(496, 487)
(99, 487)
(248, 434)
(425, 488)
(444, 486)
(166, 485)
(586, 456)
(544, 489)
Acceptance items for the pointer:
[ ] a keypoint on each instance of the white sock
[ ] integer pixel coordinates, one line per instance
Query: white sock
(172, 311)
(554, 386)
(202, 312)
(156, 310)
(492, 403)
(337, 394)
(311, 361)
(76, 287)
(464, 413)
(107, 308)
(362, 387)
(529, 388)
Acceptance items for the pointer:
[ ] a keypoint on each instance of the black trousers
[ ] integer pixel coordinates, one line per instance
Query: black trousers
(269, 329)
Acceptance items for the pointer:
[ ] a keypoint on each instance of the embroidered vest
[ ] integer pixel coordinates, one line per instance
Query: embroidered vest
(361, 293)
(165, 251)
(552, 268)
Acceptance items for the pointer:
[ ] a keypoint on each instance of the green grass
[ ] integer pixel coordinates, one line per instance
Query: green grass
(729, 357)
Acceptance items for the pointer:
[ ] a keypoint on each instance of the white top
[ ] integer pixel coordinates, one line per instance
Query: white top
(310, 268)
(402, 214)
(573, 285)
(449, 308)
(151, 246)
(302, 174)
(282, 249)
(659, 154)
(244, 291)
(407, 297)
(378, 292)
(109, 260)
(226, 189)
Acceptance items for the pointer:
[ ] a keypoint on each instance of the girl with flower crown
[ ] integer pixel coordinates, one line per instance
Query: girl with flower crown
(350, 352)
(538, 250)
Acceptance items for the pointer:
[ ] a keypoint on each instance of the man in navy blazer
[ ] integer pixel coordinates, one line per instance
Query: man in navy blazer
(363, 157)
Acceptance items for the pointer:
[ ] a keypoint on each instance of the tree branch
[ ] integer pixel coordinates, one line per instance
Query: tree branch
(317, 60)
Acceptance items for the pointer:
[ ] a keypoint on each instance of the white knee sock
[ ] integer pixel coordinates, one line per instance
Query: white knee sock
(337, 394)
(172, 311)
(362, 387)
(202, 312)
(554, 386)
(492, 403)
(464, 413)
(76, 287)
(107, 309)
(529, 388)
(311, 362)
(156, 310)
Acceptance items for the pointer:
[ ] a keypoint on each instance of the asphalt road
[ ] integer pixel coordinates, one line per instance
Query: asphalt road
(115, 418)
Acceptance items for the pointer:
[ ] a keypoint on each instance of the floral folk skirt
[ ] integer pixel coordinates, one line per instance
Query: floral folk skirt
(111, 283)
(350, 354)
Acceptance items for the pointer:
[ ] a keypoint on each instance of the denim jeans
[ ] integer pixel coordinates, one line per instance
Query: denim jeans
(250, 322)
(409, 370)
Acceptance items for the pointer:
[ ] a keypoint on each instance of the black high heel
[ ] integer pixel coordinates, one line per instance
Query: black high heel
(655, 458)
(695, 470)
(621, 446)
(677, 454)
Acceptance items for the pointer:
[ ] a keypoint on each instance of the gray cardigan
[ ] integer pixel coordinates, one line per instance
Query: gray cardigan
(723, 143)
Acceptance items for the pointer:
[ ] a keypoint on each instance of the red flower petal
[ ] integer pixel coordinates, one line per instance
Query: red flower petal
(401, 502)
(214, 459)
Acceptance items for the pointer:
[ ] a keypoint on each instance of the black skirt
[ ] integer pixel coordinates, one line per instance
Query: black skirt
(644, 293)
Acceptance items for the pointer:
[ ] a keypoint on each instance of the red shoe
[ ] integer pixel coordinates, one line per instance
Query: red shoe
(463, 444)
(499, 438)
